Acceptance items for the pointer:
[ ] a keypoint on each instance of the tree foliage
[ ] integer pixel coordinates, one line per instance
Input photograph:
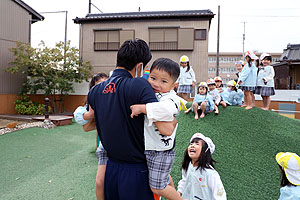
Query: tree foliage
(49, 70)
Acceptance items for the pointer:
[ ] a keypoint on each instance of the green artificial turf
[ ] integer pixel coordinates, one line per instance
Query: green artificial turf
(246, 144)
(40, 164)
(60, 163)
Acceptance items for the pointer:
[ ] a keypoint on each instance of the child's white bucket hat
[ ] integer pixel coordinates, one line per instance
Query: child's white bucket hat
(290, 162)
(208, 141)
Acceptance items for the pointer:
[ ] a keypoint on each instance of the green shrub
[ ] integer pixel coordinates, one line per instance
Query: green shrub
(24, 106)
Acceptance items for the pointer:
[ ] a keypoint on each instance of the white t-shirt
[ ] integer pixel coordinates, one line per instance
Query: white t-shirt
(205, 184)
(164, 110)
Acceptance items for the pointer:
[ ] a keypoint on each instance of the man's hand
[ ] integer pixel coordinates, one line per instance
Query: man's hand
(137, 109)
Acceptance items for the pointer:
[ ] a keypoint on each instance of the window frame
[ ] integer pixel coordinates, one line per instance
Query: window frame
(201, 38)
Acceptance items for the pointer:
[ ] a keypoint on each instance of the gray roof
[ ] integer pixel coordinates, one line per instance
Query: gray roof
(195, 14)
(35, 15)
(291, 53)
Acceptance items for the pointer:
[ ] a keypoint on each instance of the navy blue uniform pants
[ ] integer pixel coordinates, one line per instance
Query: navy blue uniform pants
(125, 181)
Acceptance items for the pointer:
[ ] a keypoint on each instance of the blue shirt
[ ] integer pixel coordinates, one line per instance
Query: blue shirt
(199, 98)
(290, 193)
(248, 75)
(121, 135)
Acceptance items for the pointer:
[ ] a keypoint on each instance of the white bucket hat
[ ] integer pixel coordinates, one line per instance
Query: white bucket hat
(290, 162)
(252, 55)
(263, 55)
(208, 141)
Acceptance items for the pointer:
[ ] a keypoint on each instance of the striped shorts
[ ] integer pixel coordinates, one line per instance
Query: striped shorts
(159, 166)
(101, 155)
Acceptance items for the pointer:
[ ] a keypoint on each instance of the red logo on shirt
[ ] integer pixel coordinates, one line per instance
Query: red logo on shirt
(109, 88)
(200, 179)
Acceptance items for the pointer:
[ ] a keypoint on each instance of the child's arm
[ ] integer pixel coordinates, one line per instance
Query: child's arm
(211, 103)
(138, 109)
(244, 74)
(216, 186)
(166, 128)
(270, 74)
(182, 182)
(157, 111)
(218, 98)
(89, 114)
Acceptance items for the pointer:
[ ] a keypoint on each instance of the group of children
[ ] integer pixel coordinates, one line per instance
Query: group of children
(252, 78)
(211, 94)
(199, 178)
(256, 77)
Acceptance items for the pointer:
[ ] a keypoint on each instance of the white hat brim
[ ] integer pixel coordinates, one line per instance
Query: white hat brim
(293, 176)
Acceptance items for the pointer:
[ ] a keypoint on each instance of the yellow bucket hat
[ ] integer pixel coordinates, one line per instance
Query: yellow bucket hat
(290, 162)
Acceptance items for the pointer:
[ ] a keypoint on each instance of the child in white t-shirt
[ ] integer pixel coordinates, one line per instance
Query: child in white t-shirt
(199, 178)
(159, 149)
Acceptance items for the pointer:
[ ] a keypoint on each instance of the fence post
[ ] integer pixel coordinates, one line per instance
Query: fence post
(46, 108)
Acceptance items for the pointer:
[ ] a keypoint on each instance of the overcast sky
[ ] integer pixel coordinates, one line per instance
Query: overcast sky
(270, 24)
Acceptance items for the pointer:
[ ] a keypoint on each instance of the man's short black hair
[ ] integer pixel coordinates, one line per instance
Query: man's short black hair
(167, 65)
(133, 52)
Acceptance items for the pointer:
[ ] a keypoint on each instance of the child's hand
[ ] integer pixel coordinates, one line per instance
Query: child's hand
(137, 109)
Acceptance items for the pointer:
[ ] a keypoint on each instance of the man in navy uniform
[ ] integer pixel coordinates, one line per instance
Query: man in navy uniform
(126, 175)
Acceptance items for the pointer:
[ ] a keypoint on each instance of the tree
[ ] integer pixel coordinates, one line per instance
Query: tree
(48, 70)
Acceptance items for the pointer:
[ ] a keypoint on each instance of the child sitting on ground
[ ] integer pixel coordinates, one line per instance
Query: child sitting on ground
(214, 92)
(232, 96)
(199, 178)
(219, 84)
(159, 149)
(289, 164)
(202, 103)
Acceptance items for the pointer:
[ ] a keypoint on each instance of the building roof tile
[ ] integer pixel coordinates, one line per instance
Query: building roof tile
(146, 15)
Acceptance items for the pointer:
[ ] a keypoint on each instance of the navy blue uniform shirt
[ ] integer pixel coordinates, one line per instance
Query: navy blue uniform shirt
(121, 135)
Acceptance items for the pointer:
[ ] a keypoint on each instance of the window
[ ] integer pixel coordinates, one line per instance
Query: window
(200, 34)
(171, 38)
(163, 39)
(106, 40)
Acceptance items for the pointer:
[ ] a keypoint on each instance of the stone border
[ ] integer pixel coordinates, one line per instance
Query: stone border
(42, 124)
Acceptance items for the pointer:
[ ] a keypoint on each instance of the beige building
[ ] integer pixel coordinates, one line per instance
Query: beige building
(16, 18)
(169, 34)
(227, 61)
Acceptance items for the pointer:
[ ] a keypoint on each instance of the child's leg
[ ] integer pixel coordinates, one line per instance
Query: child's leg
(266, 101)
(195, 109)
(245, 99)
(168, 192)
(203, 108)
(249, 100)
(171, 181)
(159, 167)
(100, 182)
(223, 103)
(185, 96)
(188, 110)
(216, 109)
(253, 99)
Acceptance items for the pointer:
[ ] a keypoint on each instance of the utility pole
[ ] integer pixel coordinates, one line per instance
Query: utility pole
(244, 42)
(218, 42)
(90, 5)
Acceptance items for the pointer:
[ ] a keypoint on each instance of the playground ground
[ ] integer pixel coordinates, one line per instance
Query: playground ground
(60, 163)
